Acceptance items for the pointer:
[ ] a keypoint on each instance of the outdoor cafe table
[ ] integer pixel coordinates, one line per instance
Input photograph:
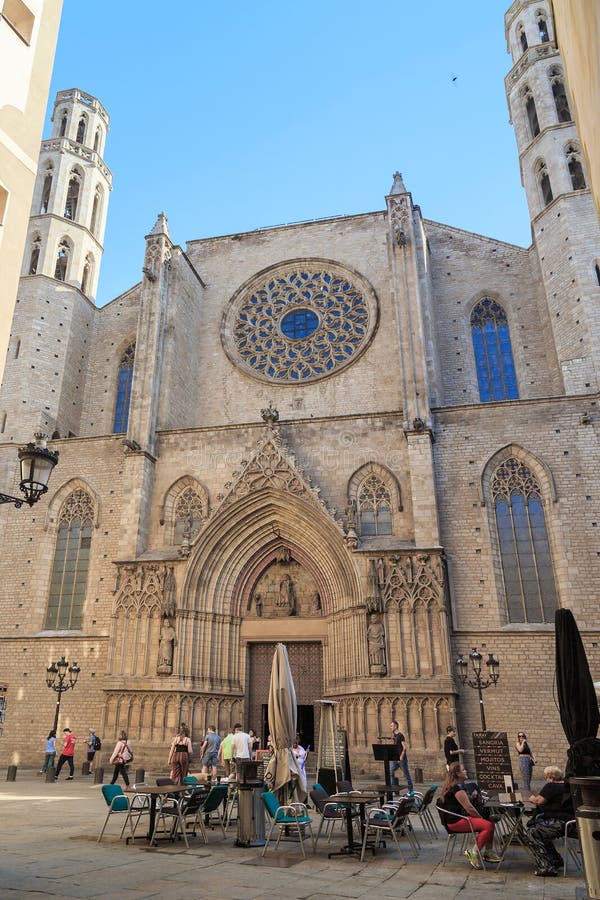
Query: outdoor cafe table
(387, 791)
(153, 793)
(512, 824)
(347, 800)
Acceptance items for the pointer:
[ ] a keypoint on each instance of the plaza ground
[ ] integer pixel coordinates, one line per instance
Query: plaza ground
(49, 848)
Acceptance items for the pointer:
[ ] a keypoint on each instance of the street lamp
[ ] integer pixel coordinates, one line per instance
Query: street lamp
(56, 674)
(37, 463)
(477, 681)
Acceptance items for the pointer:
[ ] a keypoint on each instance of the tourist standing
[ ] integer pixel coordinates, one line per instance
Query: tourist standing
(526, 761)
(451, 748)
(209, 751)
(50, 753)
(68, 751)
(179, 754)
(226, 752)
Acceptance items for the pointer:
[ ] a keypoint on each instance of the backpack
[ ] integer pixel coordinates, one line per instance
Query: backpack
(126, 754)
(97, 743)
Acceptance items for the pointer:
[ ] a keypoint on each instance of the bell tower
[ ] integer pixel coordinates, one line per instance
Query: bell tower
(564, 223)
(70, 199)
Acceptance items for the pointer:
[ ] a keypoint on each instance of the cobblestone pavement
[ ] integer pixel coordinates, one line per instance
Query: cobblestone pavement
(49, 848)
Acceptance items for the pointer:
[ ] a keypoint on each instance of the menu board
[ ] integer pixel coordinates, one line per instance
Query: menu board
(492, 759)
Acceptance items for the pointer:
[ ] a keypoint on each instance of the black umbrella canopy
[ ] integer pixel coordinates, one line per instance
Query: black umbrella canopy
(577, 700)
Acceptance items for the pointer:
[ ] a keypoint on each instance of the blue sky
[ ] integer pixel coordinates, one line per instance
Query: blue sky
(236, 116)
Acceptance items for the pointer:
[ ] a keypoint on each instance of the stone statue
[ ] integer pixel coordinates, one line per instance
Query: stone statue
(170, 594)
(166, 644)
(315, 602)
(258, 603)
(376, 646)
(286, 599)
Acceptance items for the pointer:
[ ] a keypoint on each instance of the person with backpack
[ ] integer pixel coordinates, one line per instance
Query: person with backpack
(94, 744)
(122, 755)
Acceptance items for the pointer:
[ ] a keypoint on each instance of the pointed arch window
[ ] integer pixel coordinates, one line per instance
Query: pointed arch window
(72, 196)
(88, 271)
(63, 125)
(544, 183)
(532, 118)
(575, 168)
(80, 138)
(559, 92)
(124, 381)
(96, 209)
(34, 259)
(97, 140)
(522, 38)
(543, 28)
(523, 541)
(62, 260)
(597, 271)
(374, 507)
(71, 562)
(46, 189)
(496, 374)
(188, 515)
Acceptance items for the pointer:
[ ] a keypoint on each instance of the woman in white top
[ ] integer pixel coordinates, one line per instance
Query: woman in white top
(121, 757)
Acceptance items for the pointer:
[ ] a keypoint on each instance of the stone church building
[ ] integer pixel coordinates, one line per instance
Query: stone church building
(371, 437)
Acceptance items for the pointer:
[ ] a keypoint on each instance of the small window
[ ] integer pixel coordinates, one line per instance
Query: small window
(63, 125)
(559, 92)
(96, 209)
(522, 38)
(97, 141)
(17, 347)
(543, 29)
(575, 169)
(545, 185)
(62, 260)
(20, 18)
(597, 271)
(374, 507)
(46, 189)
(188, 515)
(3, 423)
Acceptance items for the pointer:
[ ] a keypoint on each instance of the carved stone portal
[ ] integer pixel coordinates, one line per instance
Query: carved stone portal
(285, 589)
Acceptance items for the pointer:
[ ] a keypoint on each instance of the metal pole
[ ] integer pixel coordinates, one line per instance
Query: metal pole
(56, 714)
(481, 709)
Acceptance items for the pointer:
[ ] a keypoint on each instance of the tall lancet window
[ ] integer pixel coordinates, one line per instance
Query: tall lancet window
(374, 507)
(559, 92)
(496, 374)
(88, 271)
(544, 182)
(575, 168)
(188, 514)
(532, 118)
(522, 38)
(71, 562)
(62, 260)
(81, 130)
(124, 381)
(34, 259)
(63, 125)
(96, 209)
(543, 28)
(46, 189)
(523, 542)
(72, 196)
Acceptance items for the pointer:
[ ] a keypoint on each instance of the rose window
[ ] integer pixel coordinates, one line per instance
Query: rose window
(300, 324)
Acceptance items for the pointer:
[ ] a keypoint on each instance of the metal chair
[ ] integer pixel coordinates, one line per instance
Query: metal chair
(291, 815)
(572, 846)
(212, 803)
(453, 835)
(391, 819)
(330, 813)
(118, 802)
(422, 810)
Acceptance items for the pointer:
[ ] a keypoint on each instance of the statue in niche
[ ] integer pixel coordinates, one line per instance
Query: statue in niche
(166, 645)
(381, 573)
(258, 605)
(373, 592)
(286, 598)
(315, 602)
(376, 646)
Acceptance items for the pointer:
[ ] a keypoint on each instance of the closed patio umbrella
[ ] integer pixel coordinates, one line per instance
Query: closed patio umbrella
(577, 702)
(283, 768)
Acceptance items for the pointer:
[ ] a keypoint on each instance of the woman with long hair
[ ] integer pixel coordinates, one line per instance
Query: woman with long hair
(50, 753)
(120, 758)
(456, 802)
(526, 761)
(179, 754)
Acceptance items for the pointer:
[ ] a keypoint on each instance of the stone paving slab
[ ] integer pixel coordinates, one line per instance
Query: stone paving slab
(48, 835)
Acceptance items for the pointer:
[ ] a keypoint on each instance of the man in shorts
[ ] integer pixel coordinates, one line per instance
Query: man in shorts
(209, 751)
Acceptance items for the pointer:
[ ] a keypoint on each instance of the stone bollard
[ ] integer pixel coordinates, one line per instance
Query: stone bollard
(140, 774)
(98, 775)
(85, 768)
(11, 773)
(50, 775)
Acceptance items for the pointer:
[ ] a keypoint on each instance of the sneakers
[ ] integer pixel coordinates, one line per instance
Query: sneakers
(473, 858)
(69, 778)
(546, 873)
(491, 856)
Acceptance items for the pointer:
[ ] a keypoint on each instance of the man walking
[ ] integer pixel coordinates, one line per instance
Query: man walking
(209, 751)
(241, 744)
(451, 748)
(225, 753)
(66, 756)
(400, 742)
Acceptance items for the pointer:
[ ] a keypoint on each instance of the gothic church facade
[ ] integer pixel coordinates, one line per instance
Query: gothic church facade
(373, 437)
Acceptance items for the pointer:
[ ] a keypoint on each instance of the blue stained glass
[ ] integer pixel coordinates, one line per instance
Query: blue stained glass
(494, 363)
(299, 324)
(124, 381)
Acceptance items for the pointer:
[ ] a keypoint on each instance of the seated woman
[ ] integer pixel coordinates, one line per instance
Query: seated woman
(555, 810)
(455, 800)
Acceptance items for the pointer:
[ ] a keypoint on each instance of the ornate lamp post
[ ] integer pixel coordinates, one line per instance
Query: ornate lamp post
(37, 463)
(56, 674)
(476, 681)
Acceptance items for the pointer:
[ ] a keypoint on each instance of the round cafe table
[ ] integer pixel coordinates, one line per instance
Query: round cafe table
(347, 801)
